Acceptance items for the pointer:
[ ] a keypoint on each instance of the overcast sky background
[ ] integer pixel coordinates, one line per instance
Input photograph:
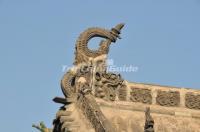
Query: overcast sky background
(37, 37)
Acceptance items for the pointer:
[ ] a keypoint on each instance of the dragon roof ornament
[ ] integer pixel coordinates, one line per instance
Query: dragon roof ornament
(83, 53)
(86, 82)
(96, 100)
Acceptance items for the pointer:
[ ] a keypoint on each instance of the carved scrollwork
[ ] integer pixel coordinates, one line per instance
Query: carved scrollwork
(85, 72)
(92, 111)
(106, 85)
(141, 95)
(168, 98)
(68, 84)
(192, 101)
(122, 93)
(71, 80)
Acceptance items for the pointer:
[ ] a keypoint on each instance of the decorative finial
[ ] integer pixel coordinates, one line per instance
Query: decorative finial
(117, 29)
(149, 122)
